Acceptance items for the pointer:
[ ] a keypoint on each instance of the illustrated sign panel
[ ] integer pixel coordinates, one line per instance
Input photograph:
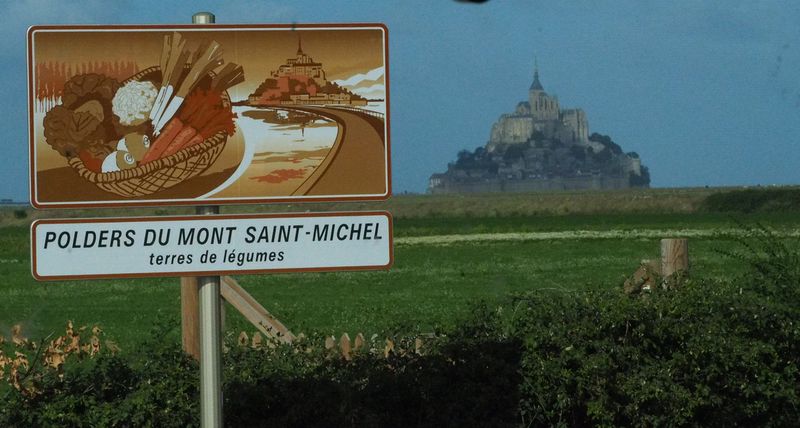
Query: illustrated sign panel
(207, 114)
(203, 245)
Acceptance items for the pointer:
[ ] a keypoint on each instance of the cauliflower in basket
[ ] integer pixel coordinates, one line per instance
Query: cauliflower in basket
(133, 101)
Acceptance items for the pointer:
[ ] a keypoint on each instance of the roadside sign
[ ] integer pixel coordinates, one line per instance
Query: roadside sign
(207, 114)
(209, 245)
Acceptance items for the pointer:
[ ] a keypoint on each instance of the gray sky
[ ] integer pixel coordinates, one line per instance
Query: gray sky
(708, 93)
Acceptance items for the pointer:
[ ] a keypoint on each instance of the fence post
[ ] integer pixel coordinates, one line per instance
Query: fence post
(674, 256)
(359, 342)
(346, 347)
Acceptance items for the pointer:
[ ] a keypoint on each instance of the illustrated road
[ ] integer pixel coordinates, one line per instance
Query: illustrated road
(356, 164)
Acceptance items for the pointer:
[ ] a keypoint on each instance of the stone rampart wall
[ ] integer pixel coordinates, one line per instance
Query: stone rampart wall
(532, 185)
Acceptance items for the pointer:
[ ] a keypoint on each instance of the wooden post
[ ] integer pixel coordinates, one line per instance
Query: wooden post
(190, 317)
(359, 342)
(388, 349)
(674, 256)
(257, 340)
(234, 294)
(344, 344)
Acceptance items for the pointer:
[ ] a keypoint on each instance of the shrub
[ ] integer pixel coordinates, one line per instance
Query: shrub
(467, 379)
(773, 267)
(156, 386)
(711, 352)
(754, 200)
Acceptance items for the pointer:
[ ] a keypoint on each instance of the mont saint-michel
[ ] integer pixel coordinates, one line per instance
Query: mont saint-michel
(541, 146)
(301, 80)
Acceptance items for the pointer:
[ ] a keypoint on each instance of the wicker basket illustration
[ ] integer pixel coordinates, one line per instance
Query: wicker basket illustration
(162, 173)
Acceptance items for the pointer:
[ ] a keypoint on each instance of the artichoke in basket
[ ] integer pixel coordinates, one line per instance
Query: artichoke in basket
(82, 123)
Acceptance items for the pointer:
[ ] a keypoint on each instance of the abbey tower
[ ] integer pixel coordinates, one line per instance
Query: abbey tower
(543, 107)
(542, 114)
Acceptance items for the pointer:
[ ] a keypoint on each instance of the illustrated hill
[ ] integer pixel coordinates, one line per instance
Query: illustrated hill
(542, 147)
(301, 80)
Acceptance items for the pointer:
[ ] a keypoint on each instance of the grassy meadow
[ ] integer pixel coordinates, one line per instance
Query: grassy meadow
(450, 253)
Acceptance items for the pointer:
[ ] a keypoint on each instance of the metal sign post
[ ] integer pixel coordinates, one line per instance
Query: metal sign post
(210, 335)
(210, 340)
(210, 352)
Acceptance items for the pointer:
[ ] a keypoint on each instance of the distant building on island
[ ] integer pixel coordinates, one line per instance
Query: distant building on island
(301, 80)
(301, 65)
(542, 147)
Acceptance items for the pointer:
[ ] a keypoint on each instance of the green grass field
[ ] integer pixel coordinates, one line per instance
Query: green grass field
(450, 253)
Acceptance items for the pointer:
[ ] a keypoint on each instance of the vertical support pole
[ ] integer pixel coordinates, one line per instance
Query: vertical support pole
(190, 298)
(190, 318)
(203, 18)
(674, 256)
(210, 344)
(210, 353)
(210, 323)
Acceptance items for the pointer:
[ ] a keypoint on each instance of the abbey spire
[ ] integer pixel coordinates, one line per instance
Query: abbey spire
(543, 107)
(536, 85)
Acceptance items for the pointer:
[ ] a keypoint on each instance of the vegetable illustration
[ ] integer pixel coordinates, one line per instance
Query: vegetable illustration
(81, 121)
(70, 132)
(133, 101)
(136, 144)
(117, 161)
(104, 127)
(163, 141)
(174, 89)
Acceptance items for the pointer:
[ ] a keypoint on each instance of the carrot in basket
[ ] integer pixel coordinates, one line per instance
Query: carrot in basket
(222, 121)
(168, 134)
(200, 107)
(205, 116)
(191, 105)
(197, 139)
(180, 141)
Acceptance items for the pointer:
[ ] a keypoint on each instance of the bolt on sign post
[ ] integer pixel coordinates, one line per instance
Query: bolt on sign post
(207, 115)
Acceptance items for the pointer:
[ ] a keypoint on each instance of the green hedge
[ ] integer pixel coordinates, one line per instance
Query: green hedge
(754, 200)
(710, 353)
(471, 382)
(469, 378)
